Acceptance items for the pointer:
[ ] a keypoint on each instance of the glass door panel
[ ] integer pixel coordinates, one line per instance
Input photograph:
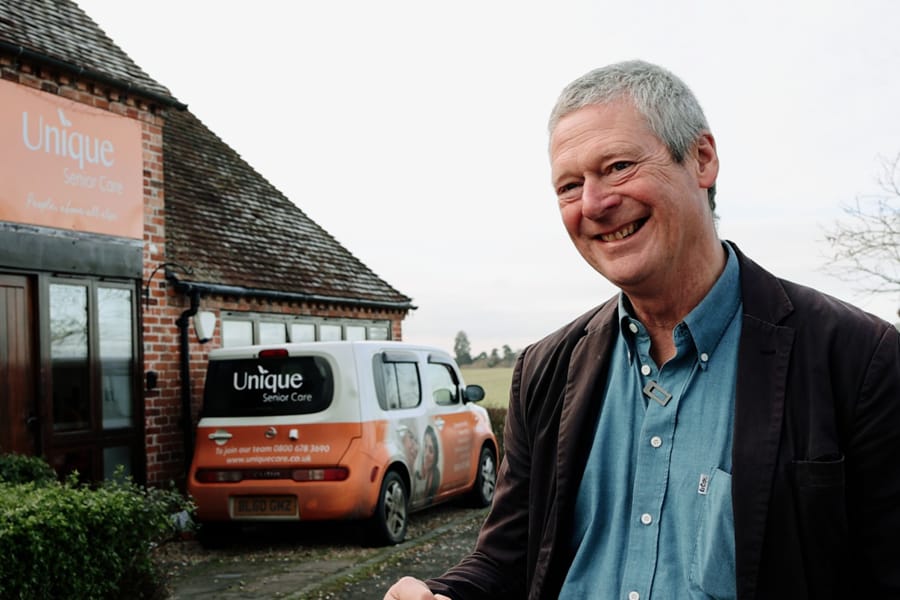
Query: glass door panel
(69, 357)
(114, 320)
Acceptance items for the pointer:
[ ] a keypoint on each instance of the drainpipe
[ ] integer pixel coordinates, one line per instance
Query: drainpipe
(183, 323)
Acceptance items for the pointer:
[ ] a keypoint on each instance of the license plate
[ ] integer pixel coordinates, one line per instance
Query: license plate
(264, 506)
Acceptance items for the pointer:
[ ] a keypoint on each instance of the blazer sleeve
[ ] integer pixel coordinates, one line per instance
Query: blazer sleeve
(873, 473)
(497, 566)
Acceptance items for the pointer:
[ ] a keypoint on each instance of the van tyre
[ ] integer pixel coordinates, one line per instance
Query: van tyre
(485, 478)
(388, 525)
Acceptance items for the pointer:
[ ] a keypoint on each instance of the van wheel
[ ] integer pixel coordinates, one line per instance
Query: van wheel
(388, 525)
(486, 479)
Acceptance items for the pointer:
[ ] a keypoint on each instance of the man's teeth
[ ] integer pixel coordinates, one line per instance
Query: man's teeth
(620, 234)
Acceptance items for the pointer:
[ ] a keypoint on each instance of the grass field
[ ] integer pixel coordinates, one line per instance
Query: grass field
(495, 382)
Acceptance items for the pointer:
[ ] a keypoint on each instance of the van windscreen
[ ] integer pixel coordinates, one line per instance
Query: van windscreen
(257, 387)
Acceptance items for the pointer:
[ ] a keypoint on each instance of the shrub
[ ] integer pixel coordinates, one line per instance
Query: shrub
(66, 540)
(18, 468)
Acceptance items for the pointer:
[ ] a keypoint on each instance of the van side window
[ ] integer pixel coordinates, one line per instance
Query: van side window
(397, 384)
(444, 389)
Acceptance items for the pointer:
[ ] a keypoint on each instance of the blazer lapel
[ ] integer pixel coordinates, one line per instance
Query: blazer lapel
(583, 397)
(763, 359)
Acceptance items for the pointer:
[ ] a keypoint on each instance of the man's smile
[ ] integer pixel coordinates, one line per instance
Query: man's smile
(624, 232)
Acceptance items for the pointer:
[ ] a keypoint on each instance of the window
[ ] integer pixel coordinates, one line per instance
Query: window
(70, 370)
(444, 389)
(242, 329)
(264, 387)
(116, 356)
(303, 332)
(237, 333)
(379, 333)
(354, 332)
(272, 333)
(329, 333)
(397, 382)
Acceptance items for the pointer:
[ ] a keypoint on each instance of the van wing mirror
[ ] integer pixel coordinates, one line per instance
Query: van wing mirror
(474, 393)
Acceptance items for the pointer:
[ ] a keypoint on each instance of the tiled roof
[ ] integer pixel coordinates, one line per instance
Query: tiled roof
(223, 219)
(232, 227)
(59, 30)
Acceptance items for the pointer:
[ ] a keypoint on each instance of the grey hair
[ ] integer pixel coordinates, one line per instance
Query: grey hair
(671, 109)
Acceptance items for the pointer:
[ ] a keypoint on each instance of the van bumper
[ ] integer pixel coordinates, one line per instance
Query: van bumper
(352, 498)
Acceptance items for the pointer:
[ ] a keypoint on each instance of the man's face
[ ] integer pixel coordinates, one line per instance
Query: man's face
(640, 219)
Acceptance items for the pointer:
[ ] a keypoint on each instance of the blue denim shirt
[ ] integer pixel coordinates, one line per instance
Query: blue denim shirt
(653, 512)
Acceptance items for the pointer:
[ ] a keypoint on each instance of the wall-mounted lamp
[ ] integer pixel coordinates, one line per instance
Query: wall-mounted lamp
(152, 380)
(167, 266)
(205, 325)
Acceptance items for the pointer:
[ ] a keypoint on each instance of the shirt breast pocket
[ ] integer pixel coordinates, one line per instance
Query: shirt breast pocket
(712, 566)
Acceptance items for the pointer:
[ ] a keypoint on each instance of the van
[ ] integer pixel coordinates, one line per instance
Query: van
(367, 430)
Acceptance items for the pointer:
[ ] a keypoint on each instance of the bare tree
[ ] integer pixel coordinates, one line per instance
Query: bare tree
(866, 244)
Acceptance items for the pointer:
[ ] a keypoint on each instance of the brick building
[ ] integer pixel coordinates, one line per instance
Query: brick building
(132, 241)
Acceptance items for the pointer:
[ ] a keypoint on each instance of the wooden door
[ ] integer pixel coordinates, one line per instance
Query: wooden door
(18, 404)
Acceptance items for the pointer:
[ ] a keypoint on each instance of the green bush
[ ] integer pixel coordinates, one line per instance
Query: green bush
(498, 420)
(18, 468)
(66, 540)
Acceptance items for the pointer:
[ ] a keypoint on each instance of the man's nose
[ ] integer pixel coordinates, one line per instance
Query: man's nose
(597, 197)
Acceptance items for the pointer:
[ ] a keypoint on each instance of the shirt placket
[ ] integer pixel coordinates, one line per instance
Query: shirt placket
(652, 469)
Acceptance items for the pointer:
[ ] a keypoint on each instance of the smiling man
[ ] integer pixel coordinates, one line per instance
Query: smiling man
(710, 432)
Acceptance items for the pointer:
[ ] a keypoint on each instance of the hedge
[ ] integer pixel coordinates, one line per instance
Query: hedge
(67, 540)
(498, 420)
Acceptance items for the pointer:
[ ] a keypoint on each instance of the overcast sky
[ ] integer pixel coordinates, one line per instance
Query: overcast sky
(415, 132)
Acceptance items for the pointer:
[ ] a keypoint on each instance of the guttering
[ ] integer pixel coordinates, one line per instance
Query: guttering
(187, 421)
(188, 287)
(79, 70)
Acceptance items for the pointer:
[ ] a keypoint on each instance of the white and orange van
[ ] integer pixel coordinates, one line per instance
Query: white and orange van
(338, 430)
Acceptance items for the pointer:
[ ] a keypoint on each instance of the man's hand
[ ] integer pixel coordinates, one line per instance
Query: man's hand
(410, 588)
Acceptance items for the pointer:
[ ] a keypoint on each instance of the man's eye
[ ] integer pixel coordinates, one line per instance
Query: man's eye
(621, 165)
(567, 188)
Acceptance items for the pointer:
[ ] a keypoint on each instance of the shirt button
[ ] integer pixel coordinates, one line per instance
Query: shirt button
(656, 441)
(646, 519)
(633, 327)
(704, 357)
(634, 596)
(645, 369)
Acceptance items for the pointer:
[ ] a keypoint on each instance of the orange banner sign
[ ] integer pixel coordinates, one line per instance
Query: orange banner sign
(68, 165)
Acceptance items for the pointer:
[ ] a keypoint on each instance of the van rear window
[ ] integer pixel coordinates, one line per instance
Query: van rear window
(284, 385)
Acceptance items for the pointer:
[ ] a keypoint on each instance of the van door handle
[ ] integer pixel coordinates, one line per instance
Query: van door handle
(439, 422)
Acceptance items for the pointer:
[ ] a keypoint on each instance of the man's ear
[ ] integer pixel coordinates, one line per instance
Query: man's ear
(707, 160)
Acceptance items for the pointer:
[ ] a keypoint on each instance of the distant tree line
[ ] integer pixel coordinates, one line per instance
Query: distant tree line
(462, 350)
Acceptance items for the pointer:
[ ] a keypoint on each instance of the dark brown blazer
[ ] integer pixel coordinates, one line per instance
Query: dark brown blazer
(816, 457)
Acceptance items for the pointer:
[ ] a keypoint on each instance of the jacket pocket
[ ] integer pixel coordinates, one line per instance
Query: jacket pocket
(821, 514)
(819, 473)
(712, 566)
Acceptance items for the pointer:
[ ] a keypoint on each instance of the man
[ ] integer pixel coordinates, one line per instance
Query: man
(712, 432)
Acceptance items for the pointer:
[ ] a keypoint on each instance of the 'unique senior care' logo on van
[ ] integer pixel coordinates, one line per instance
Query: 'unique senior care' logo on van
(284, 387)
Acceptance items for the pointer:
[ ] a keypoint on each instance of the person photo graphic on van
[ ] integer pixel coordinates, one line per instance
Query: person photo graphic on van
(428, 475)
(410, 444)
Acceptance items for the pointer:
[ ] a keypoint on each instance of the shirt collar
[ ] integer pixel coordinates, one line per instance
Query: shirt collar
(707, 322)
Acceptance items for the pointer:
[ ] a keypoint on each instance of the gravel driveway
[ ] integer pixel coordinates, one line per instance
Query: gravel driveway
(318, 560)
